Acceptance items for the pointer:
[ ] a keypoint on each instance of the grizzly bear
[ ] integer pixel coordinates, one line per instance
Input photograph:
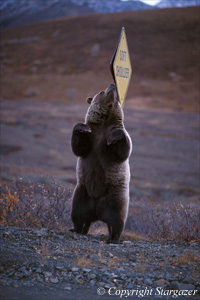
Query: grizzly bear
(103, 147)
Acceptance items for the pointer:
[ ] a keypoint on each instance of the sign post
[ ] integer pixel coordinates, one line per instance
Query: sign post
(120, 67)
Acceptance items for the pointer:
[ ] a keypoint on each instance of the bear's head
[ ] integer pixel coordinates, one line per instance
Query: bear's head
(105, 109)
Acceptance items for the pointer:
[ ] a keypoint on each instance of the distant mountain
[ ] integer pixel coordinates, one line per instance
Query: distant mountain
(109, 6)
(177, 3)
(21, 12)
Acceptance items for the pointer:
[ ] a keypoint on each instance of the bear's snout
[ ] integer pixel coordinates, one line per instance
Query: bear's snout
(110, 89)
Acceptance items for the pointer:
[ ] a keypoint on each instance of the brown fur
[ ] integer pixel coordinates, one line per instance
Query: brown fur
(103, 147)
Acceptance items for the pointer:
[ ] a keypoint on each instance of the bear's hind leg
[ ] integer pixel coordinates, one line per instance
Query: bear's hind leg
(81, 228)
(81, 212)
(115, 227)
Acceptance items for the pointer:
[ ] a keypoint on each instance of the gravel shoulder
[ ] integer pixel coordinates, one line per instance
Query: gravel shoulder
(49, 264)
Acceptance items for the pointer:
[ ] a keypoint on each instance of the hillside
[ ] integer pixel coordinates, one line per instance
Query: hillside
(68, 59)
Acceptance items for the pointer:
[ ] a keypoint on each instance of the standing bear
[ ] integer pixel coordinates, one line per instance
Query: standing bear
(103, 147)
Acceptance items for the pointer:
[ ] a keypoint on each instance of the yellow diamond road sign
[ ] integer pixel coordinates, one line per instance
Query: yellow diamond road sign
(121, 67)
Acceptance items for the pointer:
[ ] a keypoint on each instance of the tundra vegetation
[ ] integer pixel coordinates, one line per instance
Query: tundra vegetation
(48, 205)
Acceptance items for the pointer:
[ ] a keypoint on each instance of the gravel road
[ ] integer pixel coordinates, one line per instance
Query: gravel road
(49, 264)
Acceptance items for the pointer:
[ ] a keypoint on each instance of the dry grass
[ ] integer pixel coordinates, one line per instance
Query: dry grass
(36, 205)
(132, 236)
(112, 262)
(44, 253)
(83, 261)
(175, 221)
(43, 205)
(188, 257)
(142, 257)
(140, 268)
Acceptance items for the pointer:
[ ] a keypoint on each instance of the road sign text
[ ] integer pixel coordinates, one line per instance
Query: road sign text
(121, 67)
(122, 72)
(122, 55)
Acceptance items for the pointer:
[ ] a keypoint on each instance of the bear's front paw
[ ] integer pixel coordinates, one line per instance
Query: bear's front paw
(80, 127)
(115, 136)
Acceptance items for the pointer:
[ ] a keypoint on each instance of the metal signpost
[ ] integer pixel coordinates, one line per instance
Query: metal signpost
(120, 66)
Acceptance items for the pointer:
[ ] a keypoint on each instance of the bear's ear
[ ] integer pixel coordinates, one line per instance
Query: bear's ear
(89, 100)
